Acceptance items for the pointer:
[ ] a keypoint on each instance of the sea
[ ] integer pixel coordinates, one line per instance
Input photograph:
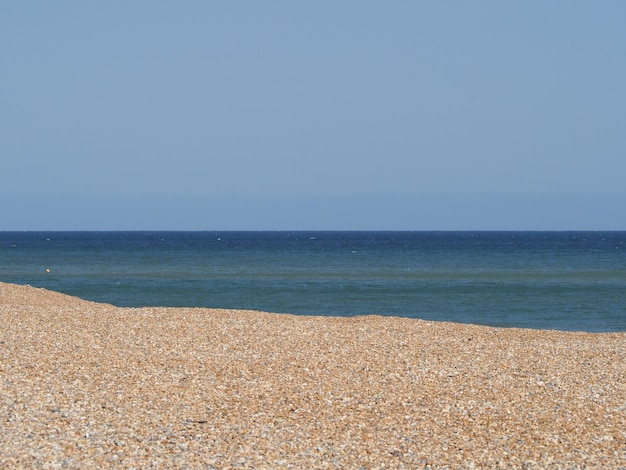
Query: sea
(573, 281)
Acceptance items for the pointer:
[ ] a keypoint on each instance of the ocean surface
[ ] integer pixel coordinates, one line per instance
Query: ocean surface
(550, 280)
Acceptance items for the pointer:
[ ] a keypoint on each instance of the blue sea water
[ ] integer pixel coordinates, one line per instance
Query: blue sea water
(549, 280)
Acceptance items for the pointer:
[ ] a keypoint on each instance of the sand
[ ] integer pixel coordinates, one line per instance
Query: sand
(86, 385)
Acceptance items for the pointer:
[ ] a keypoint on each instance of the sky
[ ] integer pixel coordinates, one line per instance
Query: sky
(325, 115)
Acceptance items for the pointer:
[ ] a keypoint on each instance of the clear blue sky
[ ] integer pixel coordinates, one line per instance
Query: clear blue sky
(312, 115)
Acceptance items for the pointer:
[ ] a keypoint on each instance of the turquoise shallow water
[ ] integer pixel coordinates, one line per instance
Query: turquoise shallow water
(555, 280)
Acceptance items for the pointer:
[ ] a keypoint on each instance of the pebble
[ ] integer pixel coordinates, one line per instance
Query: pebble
(87, 385)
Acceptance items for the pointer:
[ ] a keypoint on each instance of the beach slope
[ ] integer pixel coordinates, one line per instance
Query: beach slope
(92, 385)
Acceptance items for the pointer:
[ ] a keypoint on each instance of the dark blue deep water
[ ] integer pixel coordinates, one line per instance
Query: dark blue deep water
(550, 280)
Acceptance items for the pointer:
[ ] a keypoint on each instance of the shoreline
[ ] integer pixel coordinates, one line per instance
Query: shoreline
(92, 385)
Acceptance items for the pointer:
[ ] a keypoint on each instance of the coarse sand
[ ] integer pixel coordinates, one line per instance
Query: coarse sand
(88, 385)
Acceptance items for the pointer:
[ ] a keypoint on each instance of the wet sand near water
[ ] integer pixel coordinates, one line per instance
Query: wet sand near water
(88, 385)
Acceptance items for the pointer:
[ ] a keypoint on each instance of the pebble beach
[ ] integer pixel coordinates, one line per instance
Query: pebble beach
(89, 385)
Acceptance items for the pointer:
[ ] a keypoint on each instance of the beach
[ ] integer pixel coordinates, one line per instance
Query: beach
(89, 385)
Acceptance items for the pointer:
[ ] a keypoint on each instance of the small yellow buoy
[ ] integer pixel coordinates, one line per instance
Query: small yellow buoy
(47, 270)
